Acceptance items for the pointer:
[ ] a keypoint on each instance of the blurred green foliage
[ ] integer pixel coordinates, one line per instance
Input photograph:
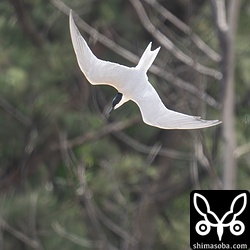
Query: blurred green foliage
(40, 184)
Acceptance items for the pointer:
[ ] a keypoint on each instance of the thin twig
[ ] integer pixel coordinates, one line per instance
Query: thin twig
(176, 81)
(203, 157)
(113, 226)
(169, 45)
(154, 151)
(91, 136)
(242, 150)
(221, 20)
(113, 178)
(33, 218)
(14, 112)
(194, 174)
(147, 149)
(72, 237)
(19, 235)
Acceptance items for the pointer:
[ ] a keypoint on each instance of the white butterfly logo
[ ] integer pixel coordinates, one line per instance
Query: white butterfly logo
(236, 227)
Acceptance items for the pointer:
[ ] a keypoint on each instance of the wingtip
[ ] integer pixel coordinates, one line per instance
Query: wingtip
(71, 20)
(214, 123)
(74, 32)
(157, 49)
(70, 14)
(209, 123)
(149, 47)
(217, 122)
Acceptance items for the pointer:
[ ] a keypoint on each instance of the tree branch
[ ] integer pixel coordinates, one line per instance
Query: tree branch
(14, 112)
(226, 34)
(112, 127)
(147, 149)
(219, 9)
(186, 29)
(72, 237)
(114, 227)
(19, 235)
(164, 41)
(242, 150)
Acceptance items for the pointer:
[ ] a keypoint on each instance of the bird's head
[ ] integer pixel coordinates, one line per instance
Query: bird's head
(117, 102)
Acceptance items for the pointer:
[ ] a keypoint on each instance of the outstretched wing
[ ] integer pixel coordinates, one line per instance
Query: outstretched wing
(155, 113)
(95, 70)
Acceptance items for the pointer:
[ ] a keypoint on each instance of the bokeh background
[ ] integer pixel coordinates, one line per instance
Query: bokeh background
(71, 178)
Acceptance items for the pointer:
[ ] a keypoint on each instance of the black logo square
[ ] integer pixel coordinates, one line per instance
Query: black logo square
(219, 219)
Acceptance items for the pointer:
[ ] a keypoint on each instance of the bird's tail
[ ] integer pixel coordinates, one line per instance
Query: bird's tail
(147, 58)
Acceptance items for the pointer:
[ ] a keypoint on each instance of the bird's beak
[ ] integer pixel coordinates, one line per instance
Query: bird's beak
(111, 109)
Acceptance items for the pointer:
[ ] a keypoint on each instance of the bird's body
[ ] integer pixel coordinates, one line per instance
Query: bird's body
(133, 84)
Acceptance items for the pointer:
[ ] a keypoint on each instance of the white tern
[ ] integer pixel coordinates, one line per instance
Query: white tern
(132, 84)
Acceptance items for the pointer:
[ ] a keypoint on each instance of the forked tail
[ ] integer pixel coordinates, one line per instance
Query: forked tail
(147, 58)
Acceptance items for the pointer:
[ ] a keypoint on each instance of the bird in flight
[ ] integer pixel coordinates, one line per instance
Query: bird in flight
(132, 84)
